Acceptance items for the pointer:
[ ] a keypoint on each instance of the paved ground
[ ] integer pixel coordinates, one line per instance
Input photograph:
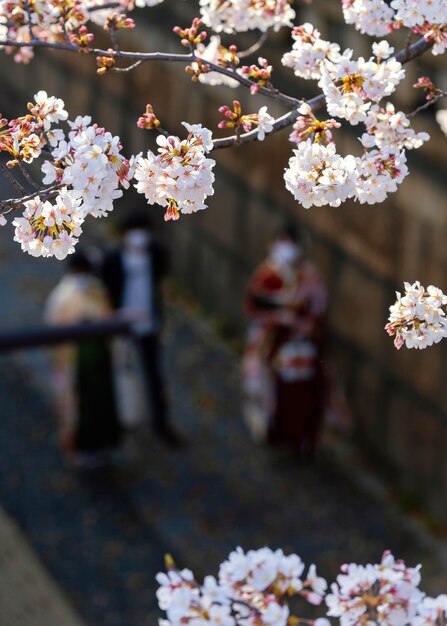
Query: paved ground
(102, 534)
(28, 596)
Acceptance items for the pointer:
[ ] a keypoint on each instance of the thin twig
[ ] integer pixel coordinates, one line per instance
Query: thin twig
(127, 69)
(436, 97)
(27, 175)
(254, 48)
(15, 183)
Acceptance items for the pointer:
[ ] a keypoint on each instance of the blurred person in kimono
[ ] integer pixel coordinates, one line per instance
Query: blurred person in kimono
(89, 427)
(284, 380)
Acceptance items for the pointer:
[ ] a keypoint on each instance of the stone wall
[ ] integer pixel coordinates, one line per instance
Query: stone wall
(364, 252)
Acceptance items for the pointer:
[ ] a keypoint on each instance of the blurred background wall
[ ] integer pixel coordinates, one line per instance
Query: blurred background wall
(398, 399)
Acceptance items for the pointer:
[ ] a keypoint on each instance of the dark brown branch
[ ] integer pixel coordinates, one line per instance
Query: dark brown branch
(14, 203)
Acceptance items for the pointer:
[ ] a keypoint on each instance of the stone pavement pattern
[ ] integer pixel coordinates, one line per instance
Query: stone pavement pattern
(102, 534)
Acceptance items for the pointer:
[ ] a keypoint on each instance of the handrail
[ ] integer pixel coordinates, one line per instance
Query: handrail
(46, 335)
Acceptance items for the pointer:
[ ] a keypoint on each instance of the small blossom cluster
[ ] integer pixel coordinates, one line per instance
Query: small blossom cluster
(259, 74)
(232, 16)
(24, 137)
(307, 126)
(431, 611)
(388, 129)
(180, 176)
(372, 17)
(417, 318)
(377, 18)
(21, 138)
(47, 229)
(385, 594)
(271, 572)
(249, 591)
(351, 85)
(316, 175)
(379, 173)
(308, 52)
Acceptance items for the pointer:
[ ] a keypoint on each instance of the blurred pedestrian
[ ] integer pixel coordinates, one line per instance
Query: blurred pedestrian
(282, 366)
(132, 275)
(89, 426)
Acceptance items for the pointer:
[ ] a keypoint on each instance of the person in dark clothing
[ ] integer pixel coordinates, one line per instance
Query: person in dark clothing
(132, 276)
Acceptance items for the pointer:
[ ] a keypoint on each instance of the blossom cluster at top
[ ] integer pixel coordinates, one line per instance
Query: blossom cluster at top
(378, 18)
(241, 15)
(253, 588)
(417, 319)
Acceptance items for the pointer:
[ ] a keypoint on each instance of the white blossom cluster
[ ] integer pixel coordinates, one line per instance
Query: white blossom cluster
(379, 173)
(417, 318)
(47, 229)
(385, 594)
(388, 129)
(179, 177)
(372, 17)
(431, 611)
(317, 175)
(351, 85)
(309, 50)
(377, 18)
(90, 163)
(232, 16)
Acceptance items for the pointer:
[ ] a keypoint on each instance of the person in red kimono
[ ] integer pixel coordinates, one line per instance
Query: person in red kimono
(282, 367)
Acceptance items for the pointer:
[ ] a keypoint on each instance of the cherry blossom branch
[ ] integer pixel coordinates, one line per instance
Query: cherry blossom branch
(404, 56)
